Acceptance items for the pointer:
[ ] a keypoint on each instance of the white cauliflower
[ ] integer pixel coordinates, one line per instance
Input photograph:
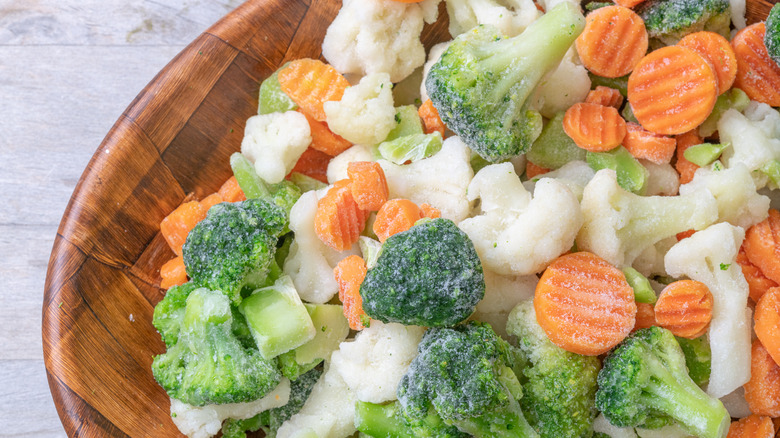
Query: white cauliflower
(754, 138)
(365, 114)
(433, 57)
(373, 364)
(549, 4)
(206, 421)
(377, 36)
(568, 84)
(511, 17)
(602, 425)
(709, 256)
(337, 167)
(575, 175)
(274, 142)
(662, 179)
(502, 294)
(651, 261)
(738, 13)
(440, 180)
(513, 235)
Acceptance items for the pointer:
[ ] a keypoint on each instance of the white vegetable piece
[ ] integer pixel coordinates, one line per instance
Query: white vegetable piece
(754, 138)
(433, 57)
(274, 142)
(511, 17)
(372, 365)
(365, 114)
(440, 180)
(337, 167)
(601, 424)
(513, 235)
(206, 421)
(502, 294)
(662, 179)
(574, 174)
(568, 84)
(709, 256)
(377, 36)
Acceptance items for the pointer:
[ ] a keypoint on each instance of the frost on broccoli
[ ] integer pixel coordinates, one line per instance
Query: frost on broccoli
(670, 20)
(388, 420)
(772, 35)
(483, 83)
(510, 17)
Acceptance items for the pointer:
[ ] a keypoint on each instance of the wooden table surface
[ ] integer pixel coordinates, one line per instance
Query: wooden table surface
(68, 68)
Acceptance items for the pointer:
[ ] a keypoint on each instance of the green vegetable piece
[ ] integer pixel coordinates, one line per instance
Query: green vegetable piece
(643, 292)
(772, 35)
(592, 6)
(669, 20)
(407, 123)
(697, 358)
(305, 182)
(331, 329)
(388, 421)
(412, 148)
(733, 98)
(477, 162)
(631, 174)
(371, 249)
(554, 147)
(704, 154)
(620, 84)
(628, 114)
(250, 182)
(272, 99)
(772, 170)
(169, 312)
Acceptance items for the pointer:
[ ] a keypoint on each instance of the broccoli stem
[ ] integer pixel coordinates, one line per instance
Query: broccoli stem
(251, 184)
(381, 420)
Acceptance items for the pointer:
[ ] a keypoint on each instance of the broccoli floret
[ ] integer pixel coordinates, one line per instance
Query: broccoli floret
(429, 275)
(234, 246)
(644, 382)
(208, 364)
(169, 312)
(772, 35)
(698, 358)
(466, 374)
(670, 20)
(482, 84)
(388, 421)
(559, 387)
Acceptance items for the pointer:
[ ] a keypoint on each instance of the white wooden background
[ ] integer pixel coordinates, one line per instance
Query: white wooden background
(68, 68)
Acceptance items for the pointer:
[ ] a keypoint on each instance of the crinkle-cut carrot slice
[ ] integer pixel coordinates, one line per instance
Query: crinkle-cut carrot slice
(672, 90)
(606, 96)
(231, 191)
(532, 170)
(685, 168)
(595, 128)
(754, 426)
(613, 41)
(430, 117)
(178, 224)
(211, 200)
(369, 185)
(644, 144)
(429, 211)
(584, 304)
(757, 281)
(350, 273)
(645, 316)
(323, 139)
(767, 322)
(685, 308)
(338, 220)
(757, 74)
(762, 245)
(718, 52)
(310, 83)
(173, 273)
(314, 164)
(762, 392)
(395, 216)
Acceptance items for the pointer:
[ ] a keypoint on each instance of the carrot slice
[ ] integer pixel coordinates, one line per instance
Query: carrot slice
(757, 281)
(595, 128)
(430, 118)
(685, 168)
(338, 220)
(178, 224)
(718, 52)
(762, 245)
(369, 186)
(762, 392)
(395, 216)
(532, 170)
(349, 274)
(429, 211)
(684, 235)
(645, 316)
(231, 191)
(672, 90)
(211, 200)
(767, 325)
(584, 304)
(313, 163)
(173, 273)
(685, 308)
(644, 144)
(606, 96)
(310, 83)
(323, 139)
(753, 426)
(757, 74)
(613, 41)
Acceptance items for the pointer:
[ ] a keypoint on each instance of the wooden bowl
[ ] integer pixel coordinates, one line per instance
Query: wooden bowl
(172, 142)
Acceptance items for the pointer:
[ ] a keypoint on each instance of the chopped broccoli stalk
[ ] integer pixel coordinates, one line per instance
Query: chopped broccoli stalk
(704, 154)
(697, 358)
(305, 182)
(772, 170)
(169, 312)
(645, 381)
(733, 98)
(631, 174)
(407, 123)
(478, 162)
(592, 6)
(554, 147)
(284, 194)
(628, 114)
(482, 84)
(412, 148)
(643, 292)
(272, 99)
(670, 20)
(388, 421)
(559, 387)
(233, 428)
(283, 250)
(772, 35)
(371, 249)
(620, 84)
(208, 364)
(429, 275)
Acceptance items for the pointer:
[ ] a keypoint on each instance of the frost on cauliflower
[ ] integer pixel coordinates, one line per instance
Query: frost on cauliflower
(602, 425)
(568, 84)
(206, 421)
(274, 142)
(662, 179)
(337, 167)
(754, 138)
(502, 294)
(373, 364)
(365, 114)
(709, 256)
(310, 262)
(575, 175)
(511, 17)
(440, 180)
(377, 36)
(651, 261)
(433, 57)
(513, 235)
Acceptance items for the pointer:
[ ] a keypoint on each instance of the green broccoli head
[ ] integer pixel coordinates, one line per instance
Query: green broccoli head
(670, 20)
(285, 194)
(772, 35)
(388, 420)
(483, 83)
(644, 382)
(559, 387)
(208, 364)
(234, 246)
(168, 313)
(466, 374)
(429, 275)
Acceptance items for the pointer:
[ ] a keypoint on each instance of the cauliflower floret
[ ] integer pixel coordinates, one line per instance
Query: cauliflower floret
(274, 142)
(502, 294)
(373, 364)
(337, 167)
(709, 256)
(511, 17)
(549, 4)
(651, 261)
(440, 180)
(365, 114)
(513, 234)
(754, 138)
(568, 84)
(206, 421)
(575, 175)
(662, 179)
(377, 36)
(602, 425)
(433, 57)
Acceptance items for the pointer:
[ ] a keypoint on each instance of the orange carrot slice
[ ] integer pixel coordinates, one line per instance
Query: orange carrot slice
(767, 326)
(310, 83)
(231, 191)
(349, 274)
(753, 426)
(757, 74)
(606, 96)
(613, 41)
(595, 128)
(762, 392)
(369, 186)
(645, 316)
(685, 168)
(584, 304)
(762, 245)
(178, 224)
(173, 273)
(338, 220)
(323, 139)
(211, 200)
(532, 170)
(430, 118)
(684, 235)
(644, 144)
(429, 211)
(685, 308)
(395, 216)
(672, 90)
(757, 281)
(718, 52)
(314, 164)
